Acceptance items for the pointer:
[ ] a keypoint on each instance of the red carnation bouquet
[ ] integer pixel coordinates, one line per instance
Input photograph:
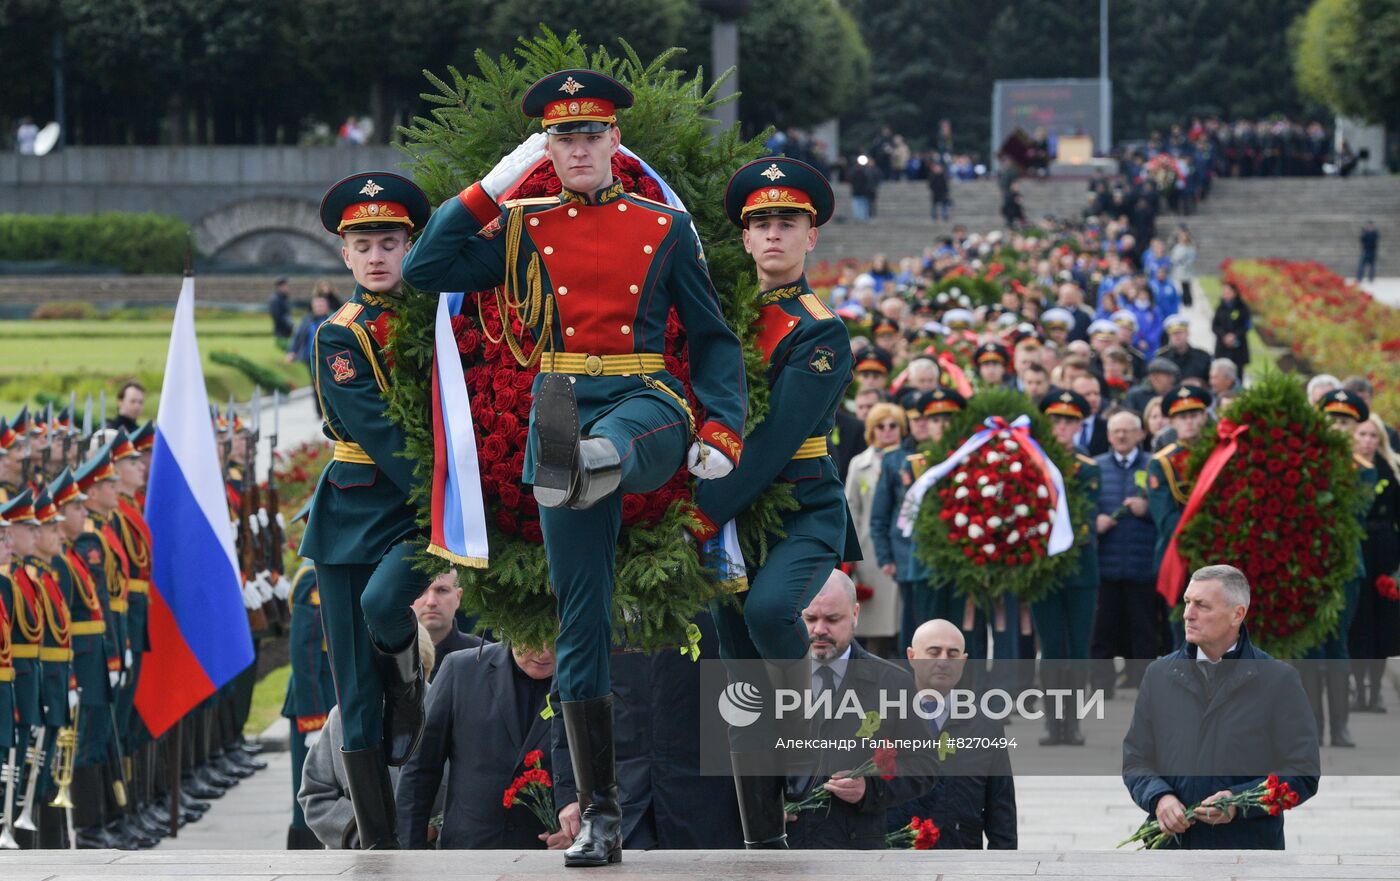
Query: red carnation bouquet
(533, 788)
(1386, 587)
(881, 763)
(500, 387)
(916, 835)
(1271, 795)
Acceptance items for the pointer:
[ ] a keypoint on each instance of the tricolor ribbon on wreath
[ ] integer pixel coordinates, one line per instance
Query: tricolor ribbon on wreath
(1061, 531)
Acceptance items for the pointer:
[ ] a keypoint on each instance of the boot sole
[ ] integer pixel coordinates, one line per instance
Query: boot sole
(557, 433)
(586, 863)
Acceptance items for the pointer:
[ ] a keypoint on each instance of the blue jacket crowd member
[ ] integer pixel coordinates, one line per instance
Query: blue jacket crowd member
(361, 525)
(779, 203)
(593, 272)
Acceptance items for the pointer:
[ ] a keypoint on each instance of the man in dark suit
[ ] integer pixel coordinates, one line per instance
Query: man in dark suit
(483, 720)
(975, 797)
(658, 756)
(1216, 717)
(436, 609)
(854, 818)
(1093, 436)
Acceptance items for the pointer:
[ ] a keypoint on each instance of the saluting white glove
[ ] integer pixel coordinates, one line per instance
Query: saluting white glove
(510, 170)
(707, 463)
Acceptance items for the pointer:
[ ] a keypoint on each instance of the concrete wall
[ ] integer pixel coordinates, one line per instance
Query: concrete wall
(254, 206)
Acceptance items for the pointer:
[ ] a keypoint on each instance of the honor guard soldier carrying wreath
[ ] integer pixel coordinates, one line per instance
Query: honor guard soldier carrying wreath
(779, 203)
(593, 273)
(361, 524)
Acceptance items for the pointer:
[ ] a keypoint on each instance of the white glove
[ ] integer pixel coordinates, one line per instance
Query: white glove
(707, 463)
(253, 525)
(312, 737)
(282, 589)
(126, 659)
(264, 586)
(113, 677)
(251, 600)
(262, 517)
(72, 700)
(281, 522)
(509, 171)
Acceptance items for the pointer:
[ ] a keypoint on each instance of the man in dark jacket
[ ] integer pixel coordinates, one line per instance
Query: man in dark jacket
(436, 608)
(1189, 360)
(854, 817)
(975, 796)
(483, 720)
(1196, 719)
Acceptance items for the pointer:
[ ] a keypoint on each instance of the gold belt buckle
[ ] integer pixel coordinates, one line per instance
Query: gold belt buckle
(593, 365)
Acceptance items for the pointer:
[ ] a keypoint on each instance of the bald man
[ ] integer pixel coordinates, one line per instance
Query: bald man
(856, 817)
(973, 803)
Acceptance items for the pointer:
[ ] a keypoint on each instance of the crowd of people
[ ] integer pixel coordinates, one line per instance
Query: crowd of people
(81, 769)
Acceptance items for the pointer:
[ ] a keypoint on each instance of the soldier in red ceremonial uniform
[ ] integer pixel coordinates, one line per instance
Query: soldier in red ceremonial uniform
(597, 271)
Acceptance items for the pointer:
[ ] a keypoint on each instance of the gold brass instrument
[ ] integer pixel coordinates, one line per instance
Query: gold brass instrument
(65, 750)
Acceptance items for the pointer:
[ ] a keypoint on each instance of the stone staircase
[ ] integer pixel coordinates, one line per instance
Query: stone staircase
(1297, 218)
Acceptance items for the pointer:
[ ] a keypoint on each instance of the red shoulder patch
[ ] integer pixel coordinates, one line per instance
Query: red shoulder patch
(774, 324)
(491, 230)
(94, 556)
(342, 366)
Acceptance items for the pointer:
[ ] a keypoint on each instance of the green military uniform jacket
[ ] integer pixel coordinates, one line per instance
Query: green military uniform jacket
(614, 268)
(1167, 492)
(90, 609)
(56, 654)
(1085, 574)
(310, 689)
(361, 506)
(26, 637)
(104, 568)
(808, 353)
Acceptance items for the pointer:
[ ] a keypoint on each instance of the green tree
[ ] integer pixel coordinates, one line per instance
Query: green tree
(1344, 57)
(650, 27)
(801, 62)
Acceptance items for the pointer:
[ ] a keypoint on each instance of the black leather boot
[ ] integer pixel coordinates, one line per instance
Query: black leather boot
(569, 470)
(1339, 703)
(401, 674)
(760, 805)
(589, 725)
(372, 795)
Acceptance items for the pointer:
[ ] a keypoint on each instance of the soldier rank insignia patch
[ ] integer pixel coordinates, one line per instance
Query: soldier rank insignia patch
(342, 367)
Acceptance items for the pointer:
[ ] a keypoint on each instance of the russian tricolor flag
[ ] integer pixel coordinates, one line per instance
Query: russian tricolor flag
(198, 626)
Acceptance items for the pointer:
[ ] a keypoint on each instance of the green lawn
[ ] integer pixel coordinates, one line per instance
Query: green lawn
(268, 697)
(89, 355)
(1260, 354)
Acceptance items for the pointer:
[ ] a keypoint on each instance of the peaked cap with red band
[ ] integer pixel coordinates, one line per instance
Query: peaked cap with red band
(576, 101)
(374, 201)
(778, 185)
